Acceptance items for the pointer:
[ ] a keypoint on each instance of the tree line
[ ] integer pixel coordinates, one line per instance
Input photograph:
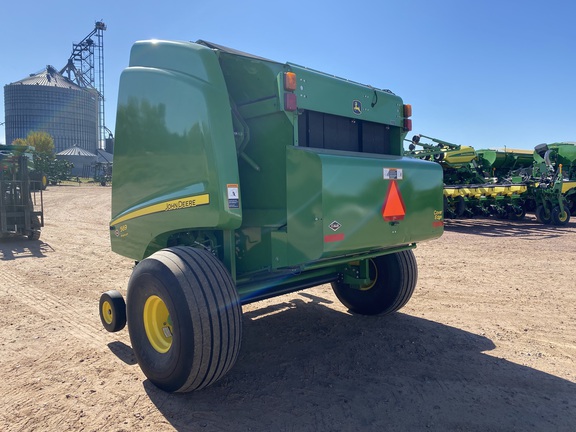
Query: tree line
(45, 161)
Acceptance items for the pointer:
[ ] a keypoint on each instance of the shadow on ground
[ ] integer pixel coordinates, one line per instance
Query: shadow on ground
(20, 247)
(123, 352)
(491, 227)
(307, 367)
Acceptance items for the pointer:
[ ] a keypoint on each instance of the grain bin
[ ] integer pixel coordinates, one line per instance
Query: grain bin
(49, 102)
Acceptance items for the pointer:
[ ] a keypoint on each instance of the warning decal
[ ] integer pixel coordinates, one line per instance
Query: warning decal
(393, 208)
(233, 198)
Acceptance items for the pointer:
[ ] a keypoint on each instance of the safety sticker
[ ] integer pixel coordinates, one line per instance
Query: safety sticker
(233, 197)
(393, 174)
(335, 226)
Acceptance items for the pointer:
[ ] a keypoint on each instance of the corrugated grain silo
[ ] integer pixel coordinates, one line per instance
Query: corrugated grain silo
(51, 103)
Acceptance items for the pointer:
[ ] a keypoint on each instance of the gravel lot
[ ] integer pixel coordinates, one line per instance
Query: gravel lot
(487, 343)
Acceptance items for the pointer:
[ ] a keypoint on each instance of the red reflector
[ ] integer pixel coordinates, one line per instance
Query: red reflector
(437, 224)
(393, 208)
(408, 125)
(289, 81)
(333, 238)
(290, 102)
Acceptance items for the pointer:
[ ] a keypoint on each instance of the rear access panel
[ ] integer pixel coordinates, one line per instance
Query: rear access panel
(342, 202)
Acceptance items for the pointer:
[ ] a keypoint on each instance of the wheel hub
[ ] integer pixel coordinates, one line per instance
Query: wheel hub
(158, 324)
(107, 312)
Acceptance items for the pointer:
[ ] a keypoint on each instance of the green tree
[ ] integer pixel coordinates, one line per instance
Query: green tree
(20, 142)
(42, 142)
(22, 146)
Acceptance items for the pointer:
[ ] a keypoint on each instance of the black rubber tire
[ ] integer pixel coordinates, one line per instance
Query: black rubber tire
(204, 312)
(394, 279)
(448, 213)
(515, 215)
(460, 206)
(43, 181)
(112, 311)
(541, 215)
(34, 235)
(571, 200)
(559, 218)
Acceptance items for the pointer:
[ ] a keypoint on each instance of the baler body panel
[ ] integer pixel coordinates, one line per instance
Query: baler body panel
(319, 92)
(337, 203)
(175, 158)
(313, 182)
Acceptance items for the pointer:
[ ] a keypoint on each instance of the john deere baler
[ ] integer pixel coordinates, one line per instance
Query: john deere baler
(238, 178)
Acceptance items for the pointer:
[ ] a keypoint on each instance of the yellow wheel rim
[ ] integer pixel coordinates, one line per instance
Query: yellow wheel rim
(107, 312)
(158, 324)
(373, 272)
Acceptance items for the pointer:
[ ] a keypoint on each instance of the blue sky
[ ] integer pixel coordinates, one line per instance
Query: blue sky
(481, 73)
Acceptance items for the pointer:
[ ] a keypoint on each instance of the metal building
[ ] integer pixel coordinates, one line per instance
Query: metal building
(83, 161)
(51, 103)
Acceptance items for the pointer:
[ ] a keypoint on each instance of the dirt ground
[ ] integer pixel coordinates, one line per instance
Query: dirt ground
(487, 343)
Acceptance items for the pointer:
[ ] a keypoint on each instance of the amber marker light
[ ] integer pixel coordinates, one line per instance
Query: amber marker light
(289, 81)
(407, 113)
(407, 110)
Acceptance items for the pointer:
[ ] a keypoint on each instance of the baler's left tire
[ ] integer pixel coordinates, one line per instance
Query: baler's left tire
(394, 279)
(112, 311)
(184, 318)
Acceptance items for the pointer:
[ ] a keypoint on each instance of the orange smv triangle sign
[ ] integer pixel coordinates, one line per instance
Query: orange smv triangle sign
(393, 208)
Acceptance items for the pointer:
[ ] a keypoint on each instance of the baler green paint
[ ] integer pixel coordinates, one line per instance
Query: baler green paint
(238, 178)
(183, 112)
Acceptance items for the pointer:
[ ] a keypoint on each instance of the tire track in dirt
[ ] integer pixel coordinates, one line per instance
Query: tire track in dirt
(45, 304)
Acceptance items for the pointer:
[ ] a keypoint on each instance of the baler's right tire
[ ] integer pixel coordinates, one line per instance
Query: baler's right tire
(184, 318)
(394, 278)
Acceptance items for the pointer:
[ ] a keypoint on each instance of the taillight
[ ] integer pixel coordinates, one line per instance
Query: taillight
(289, 86)
(290, 102)
(407, 113)
(407, 125)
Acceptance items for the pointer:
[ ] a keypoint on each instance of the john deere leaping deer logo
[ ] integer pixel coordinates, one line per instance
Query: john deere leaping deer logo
(357, 107)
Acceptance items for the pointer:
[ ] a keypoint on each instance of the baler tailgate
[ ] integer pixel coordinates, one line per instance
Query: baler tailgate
(343, 202)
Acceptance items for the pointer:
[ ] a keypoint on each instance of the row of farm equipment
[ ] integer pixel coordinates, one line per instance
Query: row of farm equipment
(504, 183)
